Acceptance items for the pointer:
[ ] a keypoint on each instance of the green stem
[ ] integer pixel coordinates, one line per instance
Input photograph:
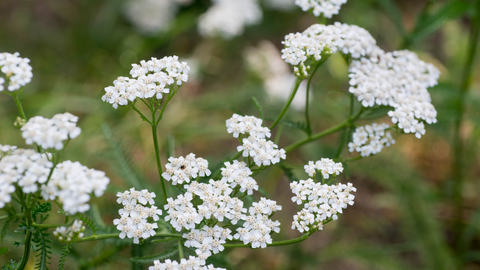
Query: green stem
(180, 249)
(307, 100)
(297, 84)
(51, 225)
(116, 235)
(278, 243)
(26, 252)
(157, 156)
(18, 102)
(170, 96)
(319, 135)
(144, 118)
(458, 170)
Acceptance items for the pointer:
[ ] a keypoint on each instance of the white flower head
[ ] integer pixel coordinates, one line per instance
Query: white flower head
(17, 71)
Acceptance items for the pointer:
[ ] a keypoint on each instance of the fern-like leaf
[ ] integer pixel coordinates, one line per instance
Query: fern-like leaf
(63, 257)
(42, 247)
(297, 125)
(288, 172)
(161, 256)
(4, 250)
(90, 223)
(4, 230)
(124, 163)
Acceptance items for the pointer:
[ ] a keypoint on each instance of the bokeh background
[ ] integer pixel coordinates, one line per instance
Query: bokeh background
(417, 204)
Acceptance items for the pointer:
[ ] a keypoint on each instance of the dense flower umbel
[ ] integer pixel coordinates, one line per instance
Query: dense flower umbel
(303, 50)
(151, 79)
(395, 79)
(72, 183)
(25, 168)
(136, 220)
(16, 69)
(320, 203)
(182, 170)
(370, 139)
(325, 8)
(399, 80)
(264, 152)
(73, 232)
(192, 263)
(326, 166)
(51, 133)
(227, 18)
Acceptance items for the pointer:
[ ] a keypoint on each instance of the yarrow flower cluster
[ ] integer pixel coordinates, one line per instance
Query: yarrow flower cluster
(193, 263)
(73, 232)
(135, 217)
(181, 170)
(151, 78)
(318, 42)
(258, 226)
(326, 166)
(264, 152)
(51, 133)
(400, 80)
(396, 79)
(325, 8)
(228, 18)
(72, 183)
(17, 70)
(321, 203)
(25, 168)
(6, 150)
(370, 139)
(238, 174)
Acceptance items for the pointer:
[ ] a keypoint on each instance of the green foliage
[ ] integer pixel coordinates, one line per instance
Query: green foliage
(5, 227)
(259, 108)
(164, 240)
(393, 13)
(4, 250)
(42, 247)
(41, 209)
(90, 223)
(63, 257)
(296, 125)
(12, 265)
(168, 254)
(123, 162)
(288, 172)
(430, 23)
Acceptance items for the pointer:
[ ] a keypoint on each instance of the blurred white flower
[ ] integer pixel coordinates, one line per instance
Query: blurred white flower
(325, 8)
(265, 61)
(16, 69)
(228, 18)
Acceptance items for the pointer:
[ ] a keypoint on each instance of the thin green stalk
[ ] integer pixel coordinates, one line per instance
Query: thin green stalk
(18, 102)
(144, 118)
(180, 249)
(136, 253)
(307, 100)
(116, 235)
(319, 135)
(458, 170)
(170, 96)
(292, 95)
(26, 252)
(345, 123)
(278, 243)
(51, 225)
(157, 156)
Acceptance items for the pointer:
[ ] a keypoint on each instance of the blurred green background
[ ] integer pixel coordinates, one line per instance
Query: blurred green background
(417, 204)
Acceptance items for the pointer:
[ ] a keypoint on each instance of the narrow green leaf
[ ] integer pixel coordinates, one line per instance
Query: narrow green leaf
(164, 240)
(449, 11)
(259, 108)
(393, 13)
(161, 256)
(90, 223)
